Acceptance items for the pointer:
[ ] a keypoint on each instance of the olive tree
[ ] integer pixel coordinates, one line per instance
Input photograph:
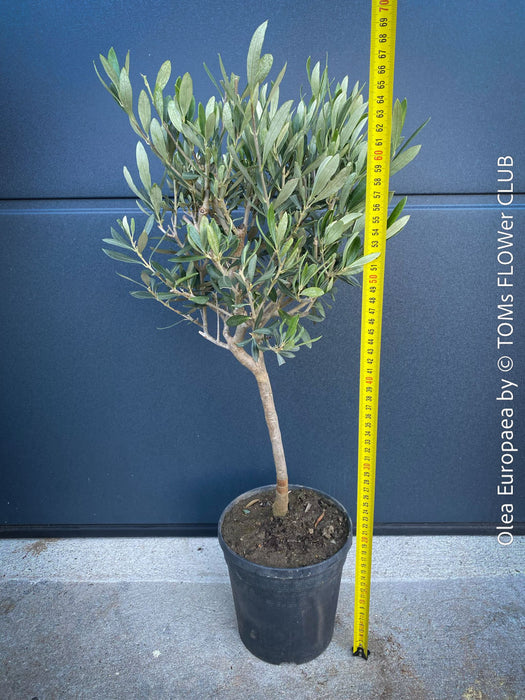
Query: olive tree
(259, 211)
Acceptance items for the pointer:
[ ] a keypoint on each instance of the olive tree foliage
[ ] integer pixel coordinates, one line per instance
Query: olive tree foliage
(259, 211)
(261, 206)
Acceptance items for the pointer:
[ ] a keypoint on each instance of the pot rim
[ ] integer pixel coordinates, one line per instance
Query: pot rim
(285, 572)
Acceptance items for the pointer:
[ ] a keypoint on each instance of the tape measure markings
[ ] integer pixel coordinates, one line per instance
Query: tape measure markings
(380, 105)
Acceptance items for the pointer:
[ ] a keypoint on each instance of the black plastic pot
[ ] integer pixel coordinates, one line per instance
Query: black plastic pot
(285, 615)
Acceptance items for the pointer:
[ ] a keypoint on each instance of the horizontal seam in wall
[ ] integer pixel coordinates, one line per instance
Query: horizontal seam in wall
(125, 209)
(210, 530)
(109, 198)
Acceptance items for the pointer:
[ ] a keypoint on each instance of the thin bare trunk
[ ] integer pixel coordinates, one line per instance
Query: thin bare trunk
(258, 369)
(280, 506)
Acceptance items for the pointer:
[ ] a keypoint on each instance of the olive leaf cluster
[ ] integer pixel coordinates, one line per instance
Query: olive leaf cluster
(260, 208)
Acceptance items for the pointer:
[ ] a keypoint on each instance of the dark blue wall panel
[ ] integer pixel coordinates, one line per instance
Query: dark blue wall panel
(62, 136)
(106, 419)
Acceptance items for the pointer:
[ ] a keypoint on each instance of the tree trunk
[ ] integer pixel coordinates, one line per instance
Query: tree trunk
(258, 369)
(280, 506)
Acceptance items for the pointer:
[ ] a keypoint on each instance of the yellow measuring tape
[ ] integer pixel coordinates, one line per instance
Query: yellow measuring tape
(380, 105)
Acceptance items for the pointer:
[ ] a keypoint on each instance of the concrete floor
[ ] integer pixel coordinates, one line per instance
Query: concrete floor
(111, 619)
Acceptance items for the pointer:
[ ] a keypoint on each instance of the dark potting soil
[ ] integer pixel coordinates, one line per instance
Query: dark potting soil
(313, 530)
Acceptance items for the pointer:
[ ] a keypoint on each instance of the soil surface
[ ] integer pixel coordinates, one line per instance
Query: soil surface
(313, 530)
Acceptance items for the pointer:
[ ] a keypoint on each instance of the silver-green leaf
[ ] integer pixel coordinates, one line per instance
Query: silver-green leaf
(125, 92)
(254, 54)
(286, 192)
(326, 171)
(275, 128)
(397, 226)
(143, 166)
(185, 93)
(404, 158)
(142, 242)
(144, 111)
(163, 75)
(158, 136)
(312, 292)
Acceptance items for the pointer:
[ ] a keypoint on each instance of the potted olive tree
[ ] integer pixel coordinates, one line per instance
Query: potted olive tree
(259, 212)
